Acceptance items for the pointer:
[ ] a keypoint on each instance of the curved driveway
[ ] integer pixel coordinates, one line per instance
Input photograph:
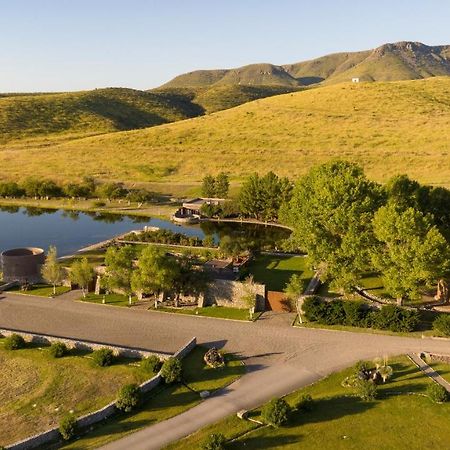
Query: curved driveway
(280, 358)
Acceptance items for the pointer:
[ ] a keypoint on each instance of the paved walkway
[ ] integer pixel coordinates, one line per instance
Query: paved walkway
(279, 358)
(427, 370)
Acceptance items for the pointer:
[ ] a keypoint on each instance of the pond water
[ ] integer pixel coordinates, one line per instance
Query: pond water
(72, 230)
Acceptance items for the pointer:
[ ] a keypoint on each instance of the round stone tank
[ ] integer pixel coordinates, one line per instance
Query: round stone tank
(22, 264)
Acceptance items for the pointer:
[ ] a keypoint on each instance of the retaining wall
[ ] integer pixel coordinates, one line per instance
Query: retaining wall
(97, 416)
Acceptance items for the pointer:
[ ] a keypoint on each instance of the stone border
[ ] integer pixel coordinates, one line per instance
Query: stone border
(107, 411)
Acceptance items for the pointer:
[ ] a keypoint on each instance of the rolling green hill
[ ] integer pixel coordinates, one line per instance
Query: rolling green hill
(390, 128)
(390, 62)
(70, 115)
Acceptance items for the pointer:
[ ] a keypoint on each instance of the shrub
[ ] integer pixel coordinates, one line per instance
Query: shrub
(152, 364)
(314, 309)
(68, 427)
(437, 393)
(354, 313)
(103, 357)
(14, 342)
(215, 441)
(58, 349)
(304, 403)
(275, 412)
(394, 318)
(366, 390)
(99, 204)
(128, 397)
(442, 324)
(171, 370)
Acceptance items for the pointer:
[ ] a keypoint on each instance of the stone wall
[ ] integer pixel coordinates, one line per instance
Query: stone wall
(230, 293)
(128, 352)
(90, 419)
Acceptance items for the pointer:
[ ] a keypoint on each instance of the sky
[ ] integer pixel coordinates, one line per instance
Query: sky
(67, 45)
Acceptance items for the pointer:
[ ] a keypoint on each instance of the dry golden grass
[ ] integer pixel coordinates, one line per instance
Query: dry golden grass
(389, 128)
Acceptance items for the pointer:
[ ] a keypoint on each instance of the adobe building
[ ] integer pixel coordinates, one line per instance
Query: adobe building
(22, 264)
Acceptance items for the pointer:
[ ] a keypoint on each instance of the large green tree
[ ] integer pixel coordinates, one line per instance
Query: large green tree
(82, 273)
(410, 251)
(119, 269)
(155, 271)
(331, 214)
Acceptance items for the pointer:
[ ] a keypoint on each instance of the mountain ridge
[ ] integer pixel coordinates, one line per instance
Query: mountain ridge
(389, 62)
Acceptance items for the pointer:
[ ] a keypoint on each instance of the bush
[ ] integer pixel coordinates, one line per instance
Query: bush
(14, 342)
(215, 441)
(314, 309)
(437, 393)
(304, 403)
(171, 370)
(128, 397)
(354, 313)
(442, 324)
(366, 390)
(103, 357)
(99, 204)
(152, 364)
(394, 318)
(68, 427)
(58, 349)
(275, 412)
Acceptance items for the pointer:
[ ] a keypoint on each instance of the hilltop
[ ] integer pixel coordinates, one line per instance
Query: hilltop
(389, 128)
(390, 62)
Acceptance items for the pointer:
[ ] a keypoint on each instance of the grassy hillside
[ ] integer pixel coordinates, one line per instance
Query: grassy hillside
(390, 62)
(76, 114)
(389, 128)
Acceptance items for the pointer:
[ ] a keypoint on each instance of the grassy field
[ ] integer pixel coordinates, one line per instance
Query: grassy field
(275, 271)
(390, 128)
(166, 401)
(42, 290)
(339, 420)
(37, 390)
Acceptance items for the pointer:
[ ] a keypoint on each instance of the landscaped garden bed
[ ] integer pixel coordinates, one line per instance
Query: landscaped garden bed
(219, 312)
(338, 419)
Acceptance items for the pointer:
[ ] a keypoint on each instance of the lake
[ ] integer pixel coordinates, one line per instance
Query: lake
(72, 230)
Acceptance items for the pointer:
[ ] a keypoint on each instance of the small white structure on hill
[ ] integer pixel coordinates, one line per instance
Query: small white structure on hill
(355, 80)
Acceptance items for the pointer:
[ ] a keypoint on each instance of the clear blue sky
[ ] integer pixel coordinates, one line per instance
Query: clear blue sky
(55, 45)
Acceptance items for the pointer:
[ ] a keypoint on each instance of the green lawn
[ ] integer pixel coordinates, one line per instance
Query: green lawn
(275, 271)
(220, 312)
(442, 369)
(42, 290)
(339, 420)
(94, 257)
(36, 390)
(110, 299)
(165, 401)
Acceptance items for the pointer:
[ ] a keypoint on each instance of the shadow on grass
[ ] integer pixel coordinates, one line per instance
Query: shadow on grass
(260, 442)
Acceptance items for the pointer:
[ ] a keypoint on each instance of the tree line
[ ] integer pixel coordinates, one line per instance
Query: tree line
(350, 225)
(87, 188)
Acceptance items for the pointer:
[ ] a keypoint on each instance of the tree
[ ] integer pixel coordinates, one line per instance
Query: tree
(221, 185)
(155, 271)
(410, 251)
(208, 186)
(81, 274)
(128, 397)
(331, 213)
(119, 270)
(171, 370)
(293, 290)
(275, 412)
(51, 270)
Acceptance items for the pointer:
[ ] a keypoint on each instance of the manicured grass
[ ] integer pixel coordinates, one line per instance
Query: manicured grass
(442, 369)
(165, 401)
(94, 257)
(110, 299)
(339, 420)
(275, 271)
(220, 312)
(42, 290)
(36, 390)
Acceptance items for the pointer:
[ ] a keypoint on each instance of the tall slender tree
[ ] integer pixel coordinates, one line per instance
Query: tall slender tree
(51, 270)
(82, 273)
